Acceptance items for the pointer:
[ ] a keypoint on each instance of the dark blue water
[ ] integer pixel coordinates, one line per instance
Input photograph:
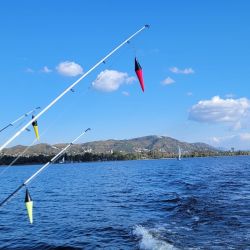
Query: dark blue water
(156, 204)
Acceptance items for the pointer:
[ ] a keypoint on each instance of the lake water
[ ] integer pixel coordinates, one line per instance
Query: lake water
(201, 203)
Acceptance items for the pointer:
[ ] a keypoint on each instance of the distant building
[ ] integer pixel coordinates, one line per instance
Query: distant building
(87, 150)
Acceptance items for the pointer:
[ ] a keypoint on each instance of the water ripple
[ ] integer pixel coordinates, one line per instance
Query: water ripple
(200, 203)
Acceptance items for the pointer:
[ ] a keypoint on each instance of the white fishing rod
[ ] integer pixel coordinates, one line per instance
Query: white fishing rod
(71, 87)
(25, 183)
(19, 118)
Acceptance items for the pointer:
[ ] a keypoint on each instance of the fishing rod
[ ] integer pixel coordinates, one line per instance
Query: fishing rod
(25, 183)
(19, 118)
(71, 87)
(43, 133)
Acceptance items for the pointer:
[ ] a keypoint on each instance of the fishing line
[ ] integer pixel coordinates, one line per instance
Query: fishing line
(22, 118)
(12, 124)
(19, 118)
(72, 104)
(109, 65)
(56, 157)
(133, 48)
(70, 88)
(54, 101)
(54, 121)
(17, 158)
(106, 65)
(20, 154)
(46, 130)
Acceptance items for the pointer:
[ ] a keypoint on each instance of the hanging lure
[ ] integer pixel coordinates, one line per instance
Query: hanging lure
(18, 119)
(29, 206)
(35, 126)
(139, 73)
(52, 103)
(28, 201)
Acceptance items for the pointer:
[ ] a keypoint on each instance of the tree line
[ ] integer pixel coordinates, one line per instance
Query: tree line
(115, 156)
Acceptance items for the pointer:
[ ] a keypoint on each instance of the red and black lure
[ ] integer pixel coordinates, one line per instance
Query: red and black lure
(139, 73)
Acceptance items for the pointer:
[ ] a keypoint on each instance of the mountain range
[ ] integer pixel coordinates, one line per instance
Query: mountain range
(136, 145)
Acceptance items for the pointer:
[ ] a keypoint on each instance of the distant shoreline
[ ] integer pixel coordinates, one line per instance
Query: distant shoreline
(6, 160)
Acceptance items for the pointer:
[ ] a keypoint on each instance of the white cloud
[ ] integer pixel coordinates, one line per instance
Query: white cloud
(189, 93)
(111, 80)
(68, 68)
(168, 81)
(217, 110)
(215, 139)
(238, 141)
(45, 69)
(186, 71)
(245, 137)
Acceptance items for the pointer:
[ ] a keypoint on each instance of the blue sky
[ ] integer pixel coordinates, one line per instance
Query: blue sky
(195, 59)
